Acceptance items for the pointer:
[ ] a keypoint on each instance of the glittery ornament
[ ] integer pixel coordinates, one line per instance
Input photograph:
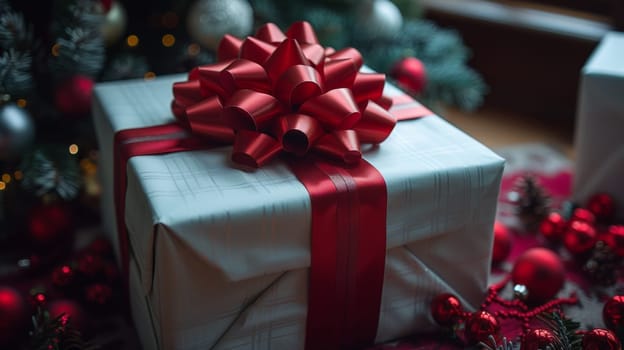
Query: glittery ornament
(600, 339)
(541, 271)
(613, 312)
(502, 243)
(602, 206)
(17, 131)
(537, 339)
(209, 20)
(73, 96)
(479, 326)
(553, 227)
(410, 74)
(446, 309)
(378, 19)
(13, 315)
(580, 237)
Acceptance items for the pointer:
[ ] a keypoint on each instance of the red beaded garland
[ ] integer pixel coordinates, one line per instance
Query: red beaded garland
(580, 237)
(600, 339)
(446, 309)
(541, 271)
(613, 312)
(553, 227)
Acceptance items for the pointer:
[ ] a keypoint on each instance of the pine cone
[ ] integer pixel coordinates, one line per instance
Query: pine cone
(532, 202)
(603, 265)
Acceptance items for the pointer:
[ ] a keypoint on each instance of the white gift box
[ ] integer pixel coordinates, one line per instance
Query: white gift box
(599, 145)
(220, 256)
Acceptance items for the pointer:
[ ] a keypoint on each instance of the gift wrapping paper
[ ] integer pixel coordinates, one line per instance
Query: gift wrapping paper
(220, 256)
(598, 144)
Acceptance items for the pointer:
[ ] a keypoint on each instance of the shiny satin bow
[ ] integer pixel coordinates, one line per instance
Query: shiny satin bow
(276, 92)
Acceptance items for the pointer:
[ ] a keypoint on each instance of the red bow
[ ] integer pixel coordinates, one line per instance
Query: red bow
(278, 92)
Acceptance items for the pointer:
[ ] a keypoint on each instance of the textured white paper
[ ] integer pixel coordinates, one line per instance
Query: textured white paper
(599, 144)
(222, 254)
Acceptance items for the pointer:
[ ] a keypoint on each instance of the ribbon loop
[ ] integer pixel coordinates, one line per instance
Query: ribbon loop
(340, 73)
(335, 109)
(368, 86)
(303, 32)
(342, 145)
(250, 110)
(270, 33)
(298, 132)
(298, 84)
(375, 125)
(287, 54)
(244, 74)
(254, 149)
(229, 48)
(256, 50)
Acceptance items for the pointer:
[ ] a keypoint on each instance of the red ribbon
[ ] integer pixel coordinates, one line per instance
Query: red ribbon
(231, 101)
(279, 92)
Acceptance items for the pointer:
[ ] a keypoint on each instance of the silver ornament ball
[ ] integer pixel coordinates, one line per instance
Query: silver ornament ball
(379, 19)
(209, 20)
(17, 131)
(114, 24)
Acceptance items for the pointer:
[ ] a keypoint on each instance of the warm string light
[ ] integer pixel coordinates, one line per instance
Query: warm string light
(2, 185)
(132, 40)
(73, 149)
(168, 40)
(21, 103)
(55, 50)
(149, 76)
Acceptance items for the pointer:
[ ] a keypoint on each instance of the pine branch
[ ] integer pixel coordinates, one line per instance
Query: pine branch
(14, 32)
(80, 51)
(564, 329)
(15, 72)
(56, 333)
(51, 170)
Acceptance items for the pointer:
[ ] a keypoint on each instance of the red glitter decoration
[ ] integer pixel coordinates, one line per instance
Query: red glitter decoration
(613, 312)
(446, 309)
(541, 271)
(602, 206)
(553, 227)
(480, 325)
(580, 237)
(600, 339)
(502, 243)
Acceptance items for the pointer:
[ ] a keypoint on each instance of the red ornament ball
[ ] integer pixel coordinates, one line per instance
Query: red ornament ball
(582, 214)
(446, 309)
(49, 223)
(600, 339)
(553, 227)
(71, 310)
(480, 325)
(73, 96)
(580, 237)
(615, 239)
(63, 276)
(14, 315)
(602, 206)
(541, 271)
(537, 339)
(613, 312)
(90, 265)
(410, 74)
(502, 243)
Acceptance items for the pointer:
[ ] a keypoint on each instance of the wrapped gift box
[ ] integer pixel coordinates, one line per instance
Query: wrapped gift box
(599, 145)
(220, 256)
